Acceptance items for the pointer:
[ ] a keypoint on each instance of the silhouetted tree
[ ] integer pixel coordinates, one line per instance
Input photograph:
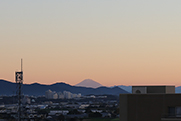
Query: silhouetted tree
(74, 111)
(61, 117)
(95, 115)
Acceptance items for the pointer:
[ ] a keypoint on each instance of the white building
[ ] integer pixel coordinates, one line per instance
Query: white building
(60, 95)
(48, 94)
(79, 95)
(67, 95)
(54, 95)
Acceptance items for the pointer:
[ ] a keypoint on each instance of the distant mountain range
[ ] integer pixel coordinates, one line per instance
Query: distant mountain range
(89, 83)
(36, 89)
(126, 88)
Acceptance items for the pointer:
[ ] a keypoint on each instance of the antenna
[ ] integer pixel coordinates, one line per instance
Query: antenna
(21, 65)
(19, 82)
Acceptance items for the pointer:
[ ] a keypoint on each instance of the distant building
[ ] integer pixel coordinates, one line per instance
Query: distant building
(26, 99)
(67, 95)
(79, 95)
(48, 94)
(60, 95)
(74, 95)
(83, 106)
(54, 112)
(54, 95)
(151, 103)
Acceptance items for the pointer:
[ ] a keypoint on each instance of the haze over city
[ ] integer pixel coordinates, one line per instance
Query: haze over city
(111, 42)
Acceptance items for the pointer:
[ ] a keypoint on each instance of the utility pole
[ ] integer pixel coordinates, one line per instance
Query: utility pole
(19, 82)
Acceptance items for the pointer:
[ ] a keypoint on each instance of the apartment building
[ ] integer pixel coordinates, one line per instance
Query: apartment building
(151, 103)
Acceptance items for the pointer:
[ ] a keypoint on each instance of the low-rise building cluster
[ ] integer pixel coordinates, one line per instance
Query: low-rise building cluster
(55, 110)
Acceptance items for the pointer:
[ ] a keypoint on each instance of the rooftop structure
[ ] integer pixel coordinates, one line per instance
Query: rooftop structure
(153, 89)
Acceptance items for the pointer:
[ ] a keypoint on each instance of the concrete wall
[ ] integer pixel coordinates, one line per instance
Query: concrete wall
(123, 108)
(170, 89)
(147, 107)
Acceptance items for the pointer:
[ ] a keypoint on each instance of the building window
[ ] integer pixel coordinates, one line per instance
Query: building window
(178, 111)
(171, 111)
(174, 111)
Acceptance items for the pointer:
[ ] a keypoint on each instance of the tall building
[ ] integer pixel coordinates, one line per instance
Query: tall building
(67, 95)
(60, 95)
(151, 103)
(48, 94)
(54, 95)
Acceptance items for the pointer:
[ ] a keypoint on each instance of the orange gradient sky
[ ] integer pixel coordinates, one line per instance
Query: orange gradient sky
(112, 42)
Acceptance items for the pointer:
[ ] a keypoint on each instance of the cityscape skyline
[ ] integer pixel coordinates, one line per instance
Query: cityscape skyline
(111, 42)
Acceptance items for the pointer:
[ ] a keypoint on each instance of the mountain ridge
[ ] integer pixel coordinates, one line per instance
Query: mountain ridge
(36, 89)
(10, 88)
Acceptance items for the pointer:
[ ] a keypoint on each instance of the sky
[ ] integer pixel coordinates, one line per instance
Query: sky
(113, 42)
